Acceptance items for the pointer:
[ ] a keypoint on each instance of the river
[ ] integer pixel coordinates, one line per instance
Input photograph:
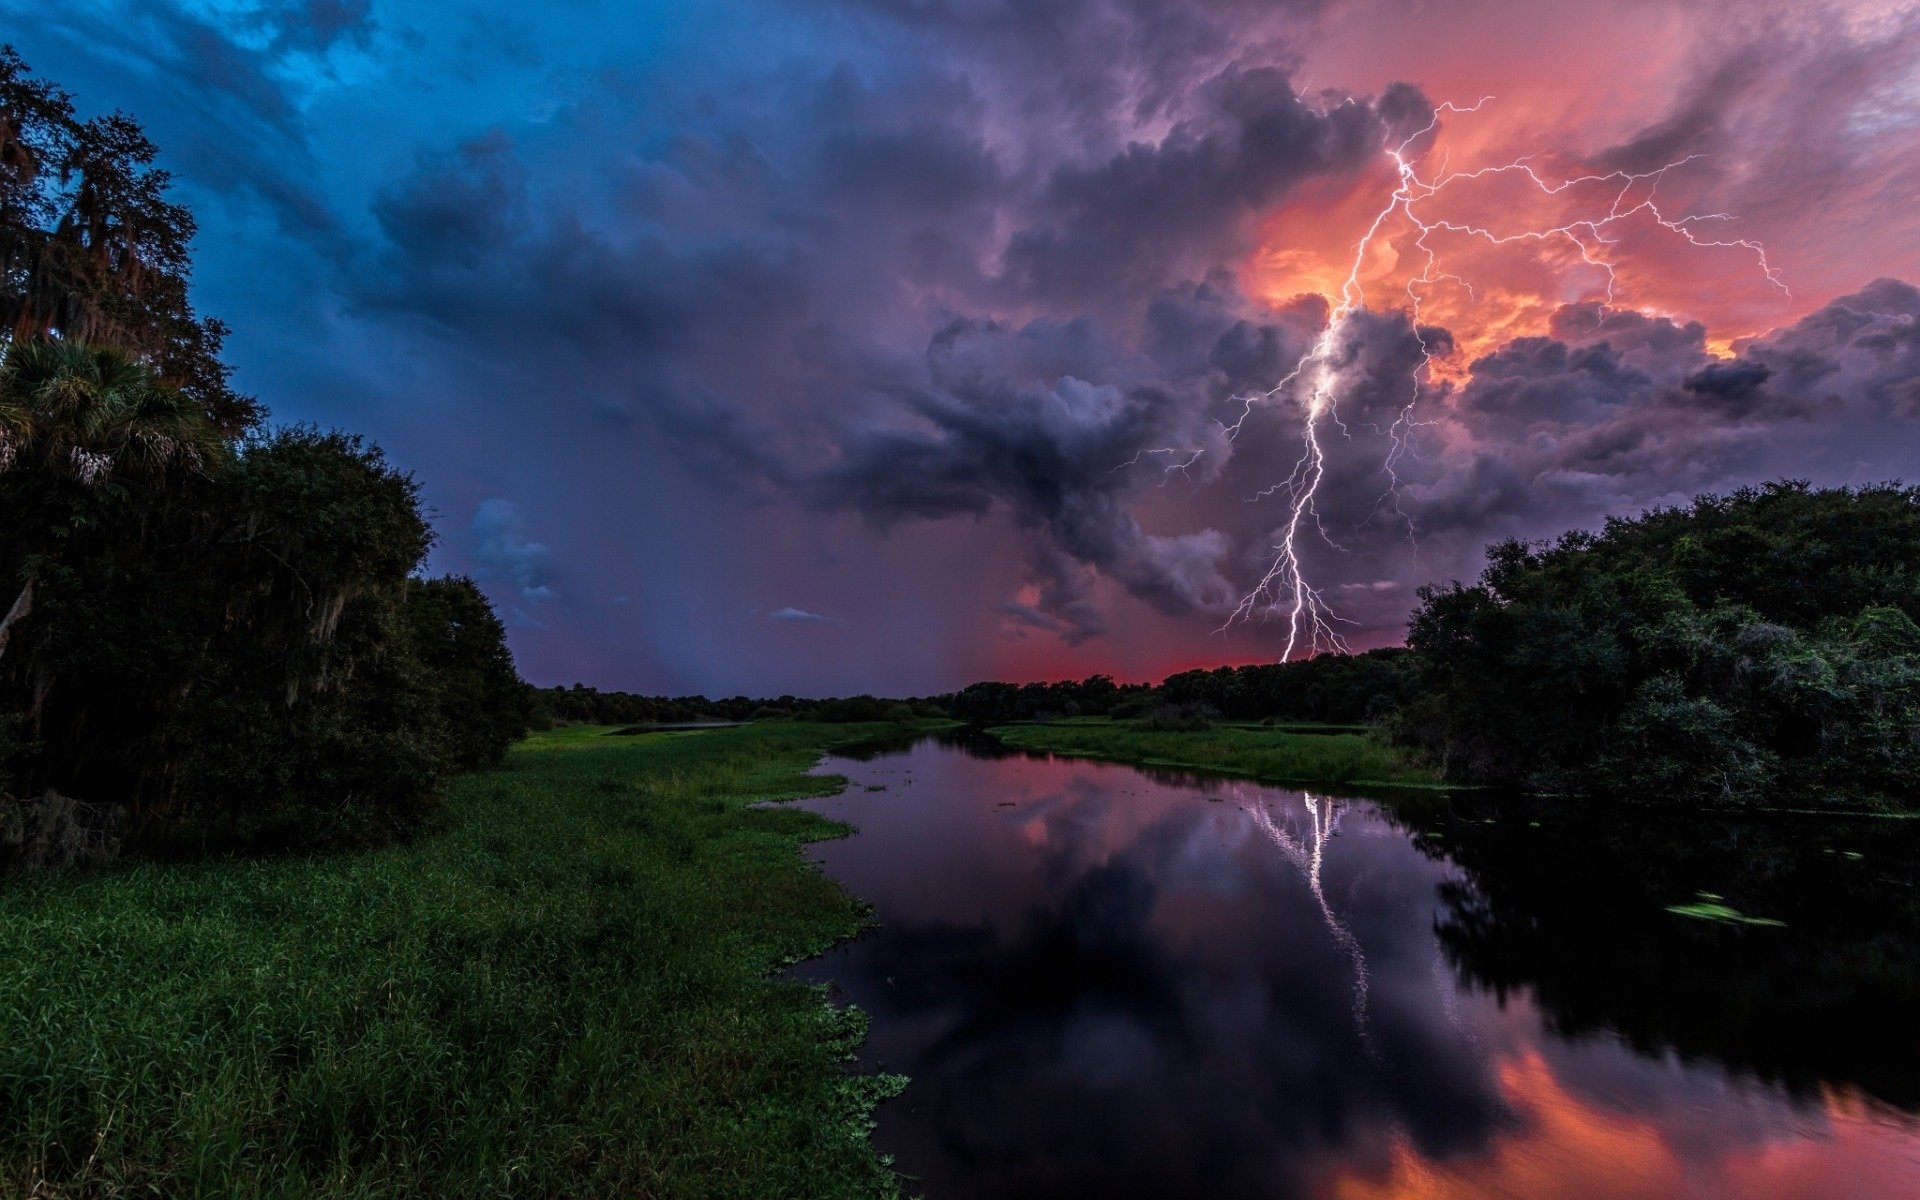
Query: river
(1106, 982)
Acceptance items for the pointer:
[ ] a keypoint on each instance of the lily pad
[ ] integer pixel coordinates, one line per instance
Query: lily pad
(1709, 908)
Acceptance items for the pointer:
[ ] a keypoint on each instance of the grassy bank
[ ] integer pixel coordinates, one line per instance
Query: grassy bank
(1276, 755)
(568, 994)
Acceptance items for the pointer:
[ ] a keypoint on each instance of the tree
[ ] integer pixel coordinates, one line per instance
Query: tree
(1747, 648)
(483, 705)
(77, 425)
(91, 249)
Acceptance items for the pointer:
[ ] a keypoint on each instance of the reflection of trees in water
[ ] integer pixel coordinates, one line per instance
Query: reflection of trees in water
(1323, 821)
(1574, 912)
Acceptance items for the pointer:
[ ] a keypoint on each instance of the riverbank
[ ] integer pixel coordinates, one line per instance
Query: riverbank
(1270, 754)
(570, 993)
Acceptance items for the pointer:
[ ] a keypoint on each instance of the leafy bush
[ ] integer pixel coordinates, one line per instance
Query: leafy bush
(247, 659)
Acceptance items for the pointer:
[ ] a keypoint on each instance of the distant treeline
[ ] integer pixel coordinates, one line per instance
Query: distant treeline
(1335, 689)
(581, 704)
(211, 634)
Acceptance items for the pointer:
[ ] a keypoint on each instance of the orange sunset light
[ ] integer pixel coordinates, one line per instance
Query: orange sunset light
(1503, 238)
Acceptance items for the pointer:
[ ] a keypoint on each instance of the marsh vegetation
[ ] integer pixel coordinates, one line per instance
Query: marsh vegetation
(567, 993)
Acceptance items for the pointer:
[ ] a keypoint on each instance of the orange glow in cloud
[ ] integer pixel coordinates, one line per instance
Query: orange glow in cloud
(1572, 1149)
(1506, 254)
(1569, 82)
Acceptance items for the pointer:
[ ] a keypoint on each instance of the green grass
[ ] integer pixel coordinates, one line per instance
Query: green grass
(569, 994)
(1275, 755)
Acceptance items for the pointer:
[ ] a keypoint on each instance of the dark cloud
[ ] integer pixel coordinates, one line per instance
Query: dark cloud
(1208, 330)
(315, 25)
(1544, 380)
(1185, 203)
(888, 218)
(994, 427)
(1087, 70)
(1064, 604)
(1566, 431)
(1730, 381)
(1860, 352)
(933, 311)
(503, 551)
(457, 209)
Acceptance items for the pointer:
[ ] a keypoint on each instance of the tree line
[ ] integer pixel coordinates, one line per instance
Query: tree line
(1753, 648)
(580, 704)
(212, 633)
(1339, 689)
(1332, 689)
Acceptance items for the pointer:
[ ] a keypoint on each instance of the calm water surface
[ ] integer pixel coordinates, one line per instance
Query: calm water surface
(1109, 984)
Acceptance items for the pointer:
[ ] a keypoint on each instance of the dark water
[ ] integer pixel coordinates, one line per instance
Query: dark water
(1109, 984)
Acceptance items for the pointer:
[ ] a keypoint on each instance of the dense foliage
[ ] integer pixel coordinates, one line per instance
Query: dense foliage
(1748, 648)
(230, 647)
(990, 702)
(208, 634)
(1337, 689)
(1333, 689)
(583, 704)
(483, 706)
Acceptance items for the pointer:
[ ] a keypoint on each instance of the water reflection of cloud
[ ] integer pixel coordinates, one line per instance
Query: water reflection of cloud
(1145, 999)
(1572, 1148)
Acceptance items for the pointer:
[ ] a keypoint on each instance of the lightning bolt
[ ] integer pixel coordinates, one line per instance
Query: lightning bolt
(1308, 856)
(1284, 591)
(1182, 466)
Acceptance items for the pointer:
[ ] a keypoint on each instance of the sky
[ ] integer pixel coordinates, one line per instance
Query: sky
(828, 346)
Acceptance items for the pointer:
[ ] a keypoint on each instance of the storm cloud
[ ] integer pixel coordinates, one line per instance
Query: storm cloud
(933, 314)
